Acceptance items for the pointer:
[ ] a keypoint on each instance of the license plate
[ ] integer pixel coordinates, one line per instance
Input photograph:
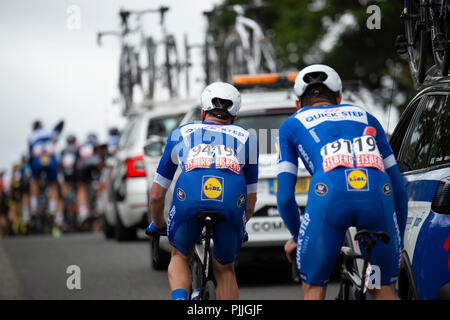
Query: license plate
(301, 186)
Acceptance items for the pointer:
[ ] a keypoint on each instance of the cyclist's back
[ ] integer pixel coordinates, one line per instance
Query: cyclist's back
(211, 178)
(219, 172)
(354, 178)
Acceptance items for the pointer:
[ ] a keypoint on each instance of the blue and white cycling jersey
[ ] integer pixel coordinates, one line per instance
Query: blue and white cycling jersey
(355, 181)
(209, 145)
(219, 167)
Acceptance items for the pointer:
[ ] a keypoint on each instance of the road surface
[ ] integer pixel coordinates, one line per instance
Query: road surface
(42, 267)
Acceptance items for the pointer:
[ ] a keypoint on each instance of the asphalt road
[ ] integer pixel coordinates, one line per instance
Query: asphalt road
(36, 267)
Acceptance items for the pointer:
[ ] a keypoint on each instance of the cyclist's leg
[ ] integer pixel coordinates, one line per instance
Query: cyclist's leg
(379, 215)
(179, 274)
(34, 185)
(82, 194)
(183, 232)
(322, 231)
(227, 287)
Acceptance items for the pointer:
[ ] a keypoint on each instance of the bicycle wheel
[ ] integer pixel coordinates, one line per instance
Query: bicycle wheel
(234, 61)
(211, 63)
(151, 66)
(268, 63)
(126, 78)
(417, 41)
(440, 38)
(196, 274)
(172, 66)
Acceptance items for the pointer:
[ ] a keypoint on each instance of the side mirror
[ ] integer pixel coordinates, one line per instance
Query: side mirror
(154, 146)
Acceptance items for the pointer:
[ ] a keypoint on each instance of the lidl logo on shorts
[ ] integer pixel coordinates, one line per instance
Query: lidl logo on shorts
(212, 188)
(357, 180)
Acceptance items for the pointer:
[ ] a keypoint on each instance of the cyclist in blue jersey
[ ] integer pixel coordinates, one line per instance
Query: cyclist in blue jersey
(42, 156)
(219, 172)
(355, 182)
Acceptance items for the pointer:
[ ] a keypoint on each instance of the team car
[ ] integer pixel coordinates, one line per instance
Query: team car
(421, 143)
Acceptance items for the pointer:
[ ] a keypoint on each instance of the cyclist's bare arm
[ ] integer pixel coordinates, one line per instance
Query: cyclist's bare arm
(157, 199)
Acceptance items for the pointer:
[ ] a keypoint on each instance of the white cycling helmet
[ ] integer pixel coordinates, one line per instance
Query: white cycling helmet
(317, 73)
(214, 95)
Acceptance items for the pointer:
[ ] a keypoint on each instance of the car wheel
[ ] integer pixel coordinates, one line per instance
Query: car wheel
(121, 232)
(108, 230)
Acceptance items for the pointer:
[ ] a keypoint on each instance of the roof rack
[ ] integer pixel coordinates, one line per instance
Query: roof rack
(264, 80)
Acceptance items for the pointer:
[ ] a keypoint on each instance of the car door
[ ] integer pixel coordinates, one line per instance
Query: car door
(424, 159)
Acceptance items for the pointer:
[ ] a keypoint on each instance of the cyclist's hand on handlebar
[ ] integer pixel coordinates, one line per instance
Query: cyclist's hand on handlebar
(152, 230)
(245, 236)
(289, 247)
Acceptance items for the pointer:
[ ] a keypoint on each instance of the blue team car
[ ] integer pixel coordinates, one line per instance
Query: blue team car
(421, 143)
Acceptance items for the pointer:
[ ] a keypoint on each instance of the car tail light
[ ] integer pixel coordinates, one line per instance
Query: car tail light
(135, 167)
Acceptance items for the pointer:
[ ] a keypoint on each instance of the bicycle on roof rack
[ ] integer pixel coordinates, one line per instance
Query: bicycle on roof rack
(354, 283)
(132, 69)
(427, 22)
(245, 48)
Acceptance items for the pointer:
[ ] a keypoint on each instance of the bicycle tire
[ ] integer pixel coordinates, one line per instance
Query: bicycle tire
(211, 63)
(234, 61)
(440, 43)
(417, 56)
(268, 63)
(126, 78)
(151, 66)
(196, 272)
(172, 66)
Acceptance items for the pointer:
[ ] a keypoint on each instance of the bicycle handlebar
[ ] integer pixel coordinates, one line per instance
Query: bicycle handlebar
(125, 14)
(233, 8)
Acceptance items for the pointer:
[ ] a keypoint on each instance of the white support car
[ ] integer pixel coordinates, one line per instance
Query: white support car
(126, 207)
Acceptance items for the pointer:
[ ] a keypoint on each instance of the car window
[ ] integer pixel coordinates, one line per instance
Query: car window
(429, 143)
(125, 136)
(163, 126)
(398, 136)
(265, 126)
(193, 115)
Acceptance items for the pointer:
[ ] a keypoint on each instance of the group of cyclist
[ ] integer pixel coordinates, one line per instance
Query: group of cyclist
(355, 182)
(53, 192)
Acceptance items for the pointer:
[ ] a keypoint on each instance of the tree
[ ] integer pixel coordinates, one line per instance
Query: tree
(357, 42)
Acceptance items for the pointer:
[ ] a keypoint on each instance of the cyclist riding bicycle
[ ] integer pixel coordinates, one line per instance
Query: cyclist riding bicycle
(42, 158)
(67, 166)
(219, 172)
(355, 182)
(89, 165)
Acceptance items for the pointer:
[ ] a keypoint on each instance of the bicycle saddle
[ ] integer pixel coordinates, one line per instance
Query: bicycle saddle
(213, 216)
(374, 236)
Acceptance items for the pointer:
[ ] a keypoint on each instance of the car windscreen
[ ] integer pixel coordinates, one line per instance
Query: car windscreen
(265, 127)
(163, 126)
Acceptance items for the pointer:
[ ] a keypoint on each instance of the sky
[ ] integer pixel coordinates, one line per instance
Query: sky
(51, 67)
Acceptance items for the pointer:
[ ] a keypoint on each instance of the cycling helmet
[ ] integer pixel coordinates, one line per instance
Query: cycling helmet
(317, 73)
(221, 95)
(113, 131)
(71, 138)
(92, 137)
